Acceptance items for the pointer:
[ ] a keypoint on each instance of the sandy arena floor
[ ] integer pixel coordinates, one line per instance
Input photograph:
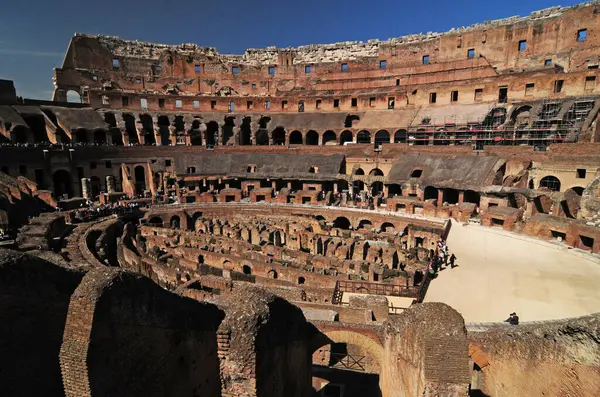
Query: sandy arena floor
(501, 272)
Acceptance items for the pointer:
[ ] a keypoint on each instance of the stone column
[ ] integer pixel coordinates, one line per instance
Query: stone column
(461, 197)
(440, 200)
(110, 183)
(86, 188)
(121, 126)
(187, 125)
(156, 127)
(139, 127)
(253, 129)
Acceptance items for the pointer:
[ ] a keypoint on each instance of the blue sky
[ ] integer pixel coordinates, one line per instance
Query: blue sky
(34, 34)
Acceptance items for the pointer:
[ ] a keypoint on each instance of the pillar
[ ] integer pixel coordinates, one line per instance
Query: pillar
(156, 127)
(461, 197)
(139, 127)
(110, 183)
(440, 199)
(86, 188)
(187, 125)
(121, 126)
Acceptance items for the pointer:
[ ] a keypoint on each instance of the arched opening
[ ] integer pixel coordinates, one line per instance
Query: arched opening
(388, 227)
(359, 171)
(400, 136)
(212, 133)
(247, 269)
(175, 222)
(381, 137)
(140, 179)
(96, 186)
(37, 124)
(301, 280)
(100, 137)
(430, 193)
(329, 136)
(451, 196)
(394, 190)
(577, 189)
(416, 173)
(296, 138)
(376, 188)
(363, 137)
(155, 221)
(130, 128)
(200, 259)
(165, 133)
(272, 274)
(227, 130)
(312, 138)
(73, 97)
(521, 116)
(341, 222)
(148, 129)
(245, 133)
(345, 136)
(19, 134)
(376, 172)
(365, 224)
(262, 137)
(63, 183)
(279, 136)
(471, 196)
(551, 183)
(81, 135)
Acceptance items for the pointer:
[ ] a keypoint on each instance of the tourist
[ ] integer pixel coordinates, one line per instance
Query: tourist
(452, 259)
(513, 319)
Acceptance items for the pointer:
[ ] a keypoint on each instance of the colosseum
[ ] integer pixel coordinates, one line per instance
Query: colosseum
(411, 217)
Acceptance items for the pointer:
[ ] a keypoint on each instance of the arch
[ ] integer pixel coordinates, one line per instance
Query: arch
(155, 221)
(312, 137)
(200, 259)
(74, 97)
(376, 172)
(19, 134)
(416, 173)
(96, 185)
(245, 133)
(521, 116)
(165, 133)
(471, 196)
(296, 138)
(551, 183)
(363, 137)
(346, 136)
(262, 137)
(175, 222)
(148, 129)
(81, 135)
(400, 136)
(388, 227)
(577, 189)
(450, 196)
(381, 137)
(272, 274)
(301, 280)
(365, 224)
(129, 120)
(100, 137)
(63, 183)
(246, 269)
(211, 133)
(430, 193)
(341, 222)
(394, 189)
(359, 171)
(376, 188)
(140, 178)
(370, 345)
(227, 130)
(279, 136)
(329, 136)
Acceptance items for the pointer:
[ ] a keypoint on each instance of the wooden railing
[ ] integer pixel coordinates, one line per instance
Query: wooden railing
(369, 288)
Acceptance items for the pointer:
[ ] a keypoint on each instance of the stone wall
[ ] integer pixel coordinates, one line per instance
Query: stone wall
(426, 353)
(34, 299)
(125, 335)
(558, 358)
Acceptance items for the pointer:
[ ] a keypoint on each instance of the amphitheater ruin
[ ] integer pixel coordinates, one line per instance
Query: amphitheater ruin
(340, 220)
